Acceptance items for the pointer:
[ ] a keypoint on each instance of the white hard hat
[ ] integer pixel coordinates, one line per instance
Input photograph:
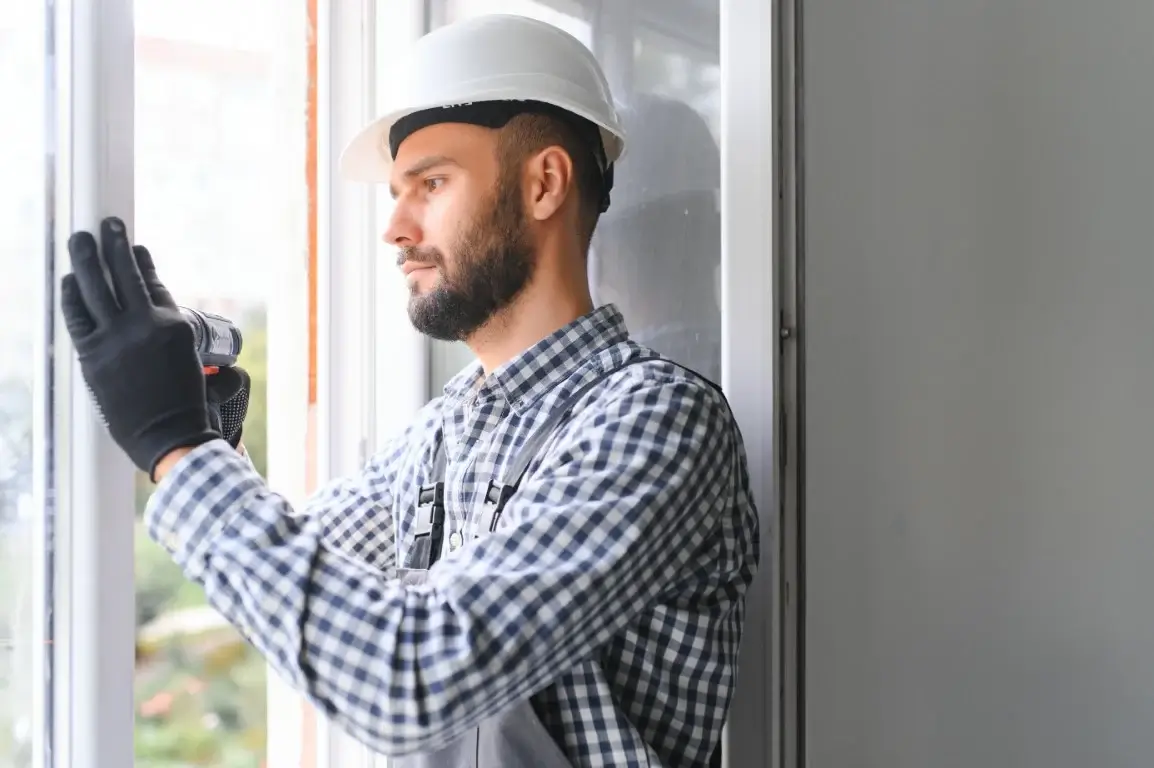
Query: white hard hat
(491, 58)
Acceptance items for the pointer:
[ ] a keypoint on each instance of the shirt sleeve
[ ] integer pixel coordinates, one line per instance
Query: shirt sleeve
(591, 540)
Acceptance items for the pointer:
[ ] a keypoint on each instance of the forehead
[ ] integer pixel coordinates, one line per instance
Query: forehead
(467, 147)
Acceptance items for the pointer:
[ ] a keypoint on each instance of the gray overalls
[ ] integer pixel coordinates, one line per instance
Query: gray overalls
(516, 738)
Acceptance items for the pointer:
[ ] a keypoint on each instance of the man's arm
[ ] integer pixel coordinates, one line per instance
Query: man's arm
(591, 542)
(354, 514)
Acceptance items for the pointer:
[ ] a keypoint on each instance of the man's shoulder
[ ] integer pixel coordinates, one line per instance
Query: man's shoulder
(633, 377)
(633, 408)
(630, 367)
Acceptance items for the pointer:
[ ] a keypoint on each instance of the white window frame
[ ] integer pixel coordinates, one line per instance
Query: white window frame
(95, 595)
(287, 396)
(372, 367)
(750, 343)
(44, 460)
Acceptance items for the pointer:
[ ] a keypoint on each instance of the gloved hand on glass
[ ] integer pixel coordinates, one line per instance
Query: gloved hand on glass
(137, 353)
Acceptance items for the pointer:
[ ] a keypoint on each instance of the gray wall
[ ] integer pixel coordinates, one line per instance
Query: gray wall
(979, 198)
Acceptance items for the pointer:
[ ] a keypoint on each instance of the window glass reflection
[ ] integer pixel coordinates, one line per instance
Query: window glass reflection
(24, 315)
(656, 253)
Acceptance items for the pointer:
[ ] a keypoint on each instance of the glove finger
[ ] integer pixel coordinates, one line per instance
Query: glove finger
(156, 290)
(214, 419)
(225, 384)
(232, 416)
(76, 318)
(89, 273)
(228, 398)
(126, 277)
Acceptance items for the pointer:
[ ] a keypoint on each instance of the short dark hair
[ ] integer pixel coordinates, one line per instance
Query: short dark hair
(531, 132)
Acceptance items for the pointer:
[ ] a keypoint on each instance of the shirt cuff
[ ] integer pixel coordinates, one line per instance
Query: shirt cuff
(196, 500)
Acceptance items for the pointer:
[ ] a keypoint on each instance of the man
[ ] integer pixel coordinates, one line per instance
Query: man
(548, 566)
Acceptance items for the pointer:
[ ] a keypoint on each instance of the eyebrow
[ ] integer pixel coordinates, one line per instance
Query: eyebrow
(423, 165)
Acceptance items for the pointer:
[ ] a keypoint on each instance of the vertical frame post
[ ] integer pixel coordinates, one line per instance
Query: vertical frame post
(750, 342)
(95, 597)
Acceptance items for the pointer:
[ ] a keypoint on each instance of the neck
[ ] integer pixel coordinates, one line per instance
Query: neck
(552, 299)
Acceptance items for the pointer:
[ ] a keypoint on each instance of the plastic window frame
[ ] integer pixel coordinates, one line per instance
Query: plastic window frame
(750, 347)
(372, 370)
(92, 685)
(95, 595)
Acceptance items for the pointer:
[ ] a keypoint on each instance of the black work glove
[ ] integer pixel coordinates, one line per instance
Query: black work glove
(228, 393)
(136, 350)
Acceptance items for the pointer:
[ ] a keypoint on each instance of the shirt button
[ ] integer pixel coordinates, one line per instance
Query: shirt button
(171, 542)
(454, 541)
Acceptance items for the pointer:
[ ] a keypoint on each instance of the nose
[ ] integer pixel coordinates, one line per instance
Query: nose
(403, 229)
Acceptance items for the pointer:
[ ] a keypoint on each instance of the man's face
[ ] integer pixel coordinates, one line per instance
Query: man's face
(460, 228)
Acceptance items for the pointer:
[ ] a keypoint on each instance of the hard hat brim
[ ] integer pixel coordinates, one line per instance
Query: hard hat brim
(366, 158)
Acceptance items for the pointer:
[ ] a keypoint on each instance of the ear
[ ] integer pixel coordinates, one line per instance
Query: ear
(550, 177)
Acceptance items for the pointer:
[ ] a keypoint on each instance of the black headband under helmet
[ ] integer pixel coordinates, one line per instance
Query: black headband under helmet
(495, 114)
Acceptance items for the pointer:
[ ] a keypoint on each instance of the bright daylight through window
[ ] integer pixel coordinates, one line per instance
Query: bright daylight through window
(221, 200)
(25, 450)
(220, 203)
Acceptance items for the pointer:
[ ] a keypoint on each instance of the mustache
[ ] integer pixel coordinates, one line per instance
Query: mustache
(420, 255)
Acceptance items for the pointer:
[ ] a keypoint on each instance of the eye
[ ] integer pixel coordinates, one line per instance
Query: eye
(434, 183)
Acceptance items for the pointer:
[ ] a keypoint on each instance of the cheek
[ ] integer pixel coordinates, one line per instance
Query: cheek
(448, 213)
(438, 218)
(449, 220)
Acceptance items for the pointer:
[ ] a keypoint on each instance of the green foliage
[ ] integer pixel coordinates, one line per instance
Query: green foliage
(201, 709)
(254, 359)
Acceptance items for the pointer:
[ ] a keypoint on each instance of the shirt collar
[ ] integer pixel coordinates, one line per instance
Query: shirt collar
(531, 374)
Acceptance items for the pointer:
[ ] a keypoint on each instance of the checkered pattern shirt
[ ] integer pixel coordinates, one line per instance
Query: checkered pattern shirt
(612, 593)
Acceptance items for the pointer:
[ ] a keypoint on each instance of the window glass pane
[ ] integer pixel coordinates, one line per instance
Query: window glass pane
(24, 389)
(569, 15)
(656, 253)
(220, 180)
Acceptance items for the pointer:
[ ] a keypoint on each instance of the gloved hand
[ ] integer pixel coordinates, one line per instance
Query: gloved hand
(228, 393)
(136, 350)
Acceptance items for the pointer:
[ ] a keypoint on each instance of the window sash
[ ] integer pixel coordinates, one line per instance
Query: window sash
(372, 368)
(94, 599)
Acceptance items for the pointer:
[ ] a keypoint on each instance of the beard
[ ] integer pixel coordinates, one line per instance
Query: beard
(493, 262)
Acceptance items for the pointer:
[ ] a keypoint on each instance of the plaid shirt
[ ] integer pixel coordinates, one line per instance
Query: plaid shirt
(612, 593)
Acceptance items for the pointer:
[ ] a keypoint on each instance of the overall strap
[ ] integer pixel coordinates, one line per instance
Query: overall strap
(497, 494)
(429, 525)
